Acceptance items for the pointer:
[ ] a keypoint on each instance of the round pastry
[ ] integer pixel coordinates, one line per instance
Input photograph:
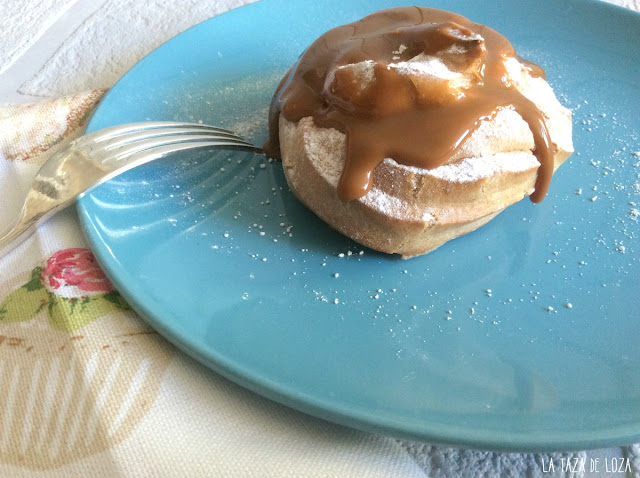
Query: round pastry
(414, 126)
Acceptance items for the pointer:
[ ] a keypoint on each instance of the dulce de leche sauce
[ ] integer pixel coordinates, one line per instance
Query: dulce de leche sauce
(417, 120)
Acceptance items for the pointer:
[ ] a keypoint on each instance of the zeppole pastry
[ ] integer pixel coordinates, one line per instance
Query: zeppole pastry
(414, 126)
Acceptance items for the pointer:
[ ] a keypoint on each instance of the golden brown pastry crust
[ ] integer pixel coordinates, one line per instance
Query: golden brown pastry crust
(411, 211)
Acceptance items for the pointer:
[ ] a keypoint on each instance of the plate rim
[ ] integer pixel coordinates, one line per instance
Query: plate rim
(615, 436)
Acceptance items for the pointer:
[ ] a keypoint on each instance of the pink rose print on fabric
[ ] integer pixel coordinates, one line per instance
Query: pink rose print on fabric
(71, 288)
(74, 273)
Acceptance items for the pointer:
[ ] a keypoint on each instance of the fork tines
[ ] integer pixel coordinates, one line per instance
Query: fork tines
(119, 142)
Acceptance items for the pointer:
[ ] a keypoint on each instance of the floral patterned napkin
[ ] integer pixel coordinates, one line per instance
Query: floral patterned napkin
(78, 369)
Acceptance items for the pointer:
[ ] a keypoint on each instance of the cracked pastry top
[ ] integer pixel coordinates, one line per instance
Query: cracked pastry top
(415, 119)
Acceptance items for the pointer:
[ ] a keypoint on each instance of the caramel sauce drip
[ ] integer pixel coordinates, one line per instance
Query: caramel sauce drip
(415, 119)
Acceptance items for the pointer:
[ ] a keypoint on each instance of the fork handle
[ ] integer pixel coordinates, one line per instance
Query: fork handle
(30, 218)
(17, 234)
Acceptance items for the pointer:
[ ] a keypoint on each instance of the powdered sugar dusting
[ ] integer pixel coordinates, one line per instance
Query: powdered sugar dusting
(425, 65)
(462, 36)
(384, 202)
(391, 205)
(472, 169)
(400, 49)
(362, 71)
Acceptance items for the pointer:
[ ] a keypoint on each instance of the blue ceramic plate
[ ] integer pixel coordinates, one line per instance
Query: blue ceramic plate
(520, 336)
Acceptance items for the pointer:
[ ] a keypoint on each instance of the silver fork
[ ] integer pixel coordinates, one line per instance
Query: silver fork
(94, 158)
